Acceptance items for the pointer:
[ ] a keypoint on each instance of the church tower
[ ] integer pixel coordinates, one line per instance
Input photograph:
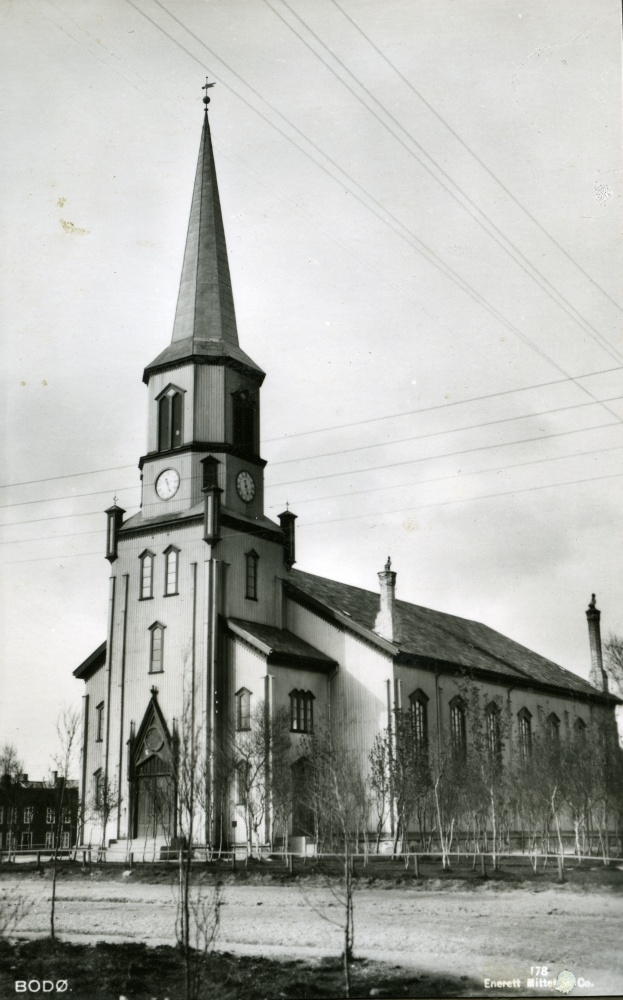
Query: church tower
(199, 555)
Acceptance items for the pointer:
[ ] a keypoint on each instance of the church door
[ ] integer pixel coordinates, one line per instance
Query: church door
(154, 800)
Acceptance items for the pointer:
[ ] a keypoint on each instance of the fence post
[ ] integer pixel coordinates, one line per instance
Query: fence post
(416, 865)
(483, 865)
(38, 860)
(561, 868)
(291, 863)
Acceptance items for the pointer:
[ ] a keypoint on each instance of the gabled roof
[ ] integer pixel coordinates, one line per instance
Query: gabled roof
(280, 646)
(426, 635)
(204, 329)
(92, 663)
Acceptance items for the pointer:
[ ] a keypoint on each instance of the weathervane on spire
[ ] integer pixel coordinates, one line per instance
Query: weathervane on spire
(206, 87)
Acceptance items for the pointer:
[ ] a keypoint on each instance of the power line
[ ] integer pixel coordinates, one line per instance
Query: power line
(69, 475)
(382, 213)
(432, 434)
(71, 496)
(453, 475)
(447, 454)
(557, 296)
(474, 155)
(445, 503)
(61, 517)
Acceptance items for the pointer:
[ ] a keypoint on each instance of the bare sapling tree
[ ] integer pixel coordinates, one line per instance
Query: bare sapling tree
(379, 761)
(281, 785)
(67, 735)
(11, 769)
(336, 786)
(488, 788)
(198, 905)
(613, 648)
(104, 802)
(250, 750)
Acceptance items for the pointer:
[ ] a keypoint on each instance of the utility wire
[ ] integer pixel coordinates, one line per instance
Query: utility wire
(354, 517)
(453, 475)
(432, 434)
(474, 155)
(447, 454)
(320, 430)
(352, 493)
(382, 213)
(445, 503)
(462, 198)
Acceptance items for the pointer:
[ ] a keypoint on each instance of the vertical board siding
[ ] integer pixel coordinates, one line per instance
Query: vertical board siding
(210, 403)
(182, 377)
(358, 692)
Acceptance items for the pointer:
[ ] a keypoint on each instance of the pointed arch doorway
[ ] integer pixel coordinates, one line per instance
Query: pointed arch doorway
(154, 813)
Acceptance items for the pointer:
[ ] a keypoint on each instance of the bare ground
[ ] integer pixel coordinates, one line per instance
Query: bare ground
(437, 928)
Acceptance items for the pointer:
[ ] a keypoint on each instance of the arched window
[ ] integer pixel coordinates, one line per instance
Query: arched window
(494, 735)
(156, 648)
(458, 726)
(553, 727)
(171, 563)
(244, 420)
(252, 559)
(524, 720)
(147, 575)
(579, 728)
(419, 718)
(301, 712)
(170, 418)
(243, 709)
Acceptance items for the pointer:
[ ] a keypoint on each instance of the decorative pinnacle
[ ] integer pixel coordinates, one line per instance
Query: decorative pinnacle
(388, 565)
(206, 99)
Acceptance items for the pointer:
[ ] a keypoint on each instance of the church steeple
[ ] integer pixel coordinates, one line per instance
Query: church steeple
(205, 318)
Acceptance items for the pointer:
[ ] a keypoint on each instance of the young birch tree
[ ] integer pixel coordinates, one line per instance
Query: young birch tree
(68, 735)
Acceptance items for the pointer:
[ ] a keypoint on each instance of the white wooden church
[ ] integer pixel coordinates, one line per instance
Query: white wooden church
(208, 620)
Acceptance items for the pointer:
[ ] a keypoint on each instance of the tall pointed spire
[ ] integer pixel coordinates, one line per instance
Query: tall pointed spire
(205, 319)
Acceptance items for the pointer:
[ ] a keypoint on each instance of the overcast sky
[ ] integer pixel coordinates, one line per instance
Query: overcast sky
(422, 204)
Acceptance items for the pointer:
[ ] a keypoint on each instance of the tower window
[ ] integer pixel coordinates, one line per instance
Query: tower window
(243, 709)
(171, 566)
(458, 727)
(156, 648)
(99, 722)
(419, 719)
(524, 719)
(301, 712)
(251, 574)
(170, 419)
(147, 575)
(244, 420)
(494, 738)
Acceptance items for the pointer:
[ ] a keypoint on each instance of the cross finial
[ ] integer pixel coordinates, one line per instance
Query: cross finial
(388, 565)
(153, 690)
(206, 87)
(114, 501)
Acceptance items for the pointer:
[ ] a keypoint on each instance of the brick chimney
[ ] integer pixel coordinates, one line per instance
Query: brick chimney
(597, 677)
(384, 624)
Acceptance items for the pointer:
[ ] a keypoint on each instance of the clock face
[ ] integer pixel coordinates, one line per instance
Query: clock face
(167, 484)
(245, 486)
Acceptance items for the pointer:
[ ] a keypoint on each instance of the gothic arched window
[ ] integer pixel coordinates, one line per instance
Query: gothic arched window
(147, 575)
(553, 726)
(170, 419)
(301, 711)
(494, 736)
(419, 718)
(524, 719)
(252, 560)
(579, 728)
(243, 709)
(156, 648)
(171, 563)
(458, 726)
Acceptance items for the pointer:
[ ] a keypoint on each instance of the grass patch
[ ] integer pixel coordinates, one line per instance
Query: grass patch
(137, 972)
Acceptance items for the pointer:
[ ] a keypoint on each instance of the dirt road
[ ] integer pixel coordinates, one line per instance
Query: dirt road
(486, 933)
